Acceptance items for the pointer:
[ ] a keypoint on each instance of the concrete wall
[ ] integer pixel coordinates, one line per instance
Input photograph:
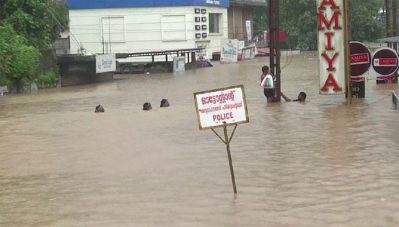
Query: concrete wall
(78, 70)
(142, 29)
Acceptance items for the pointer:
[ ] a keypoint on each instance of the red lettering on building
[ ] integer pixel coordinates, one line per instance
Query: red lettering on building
(324, 23)
(328, 2)
(329, 36)
(330, 61)
(329, 22)
(331, 82)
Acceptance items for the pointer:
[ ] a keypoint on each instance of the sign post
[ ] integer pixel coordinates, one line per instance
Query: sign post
(385, 63)
(332, 46)
(227, 141)
(347, 53)
(221, 108)
(360, 62)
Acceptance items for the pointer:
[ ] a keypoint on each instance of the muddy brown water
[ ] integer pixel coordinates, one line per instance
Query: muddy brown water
(321, 163)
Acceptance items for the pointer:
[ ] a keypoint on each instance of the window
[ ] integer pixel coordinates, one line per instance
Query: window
(113, 29)
(215, 23)
(173, 27)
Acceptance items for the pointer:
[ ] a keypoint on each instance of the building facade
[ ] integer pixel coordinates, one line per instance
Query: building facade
(239, 12)
(126, 26)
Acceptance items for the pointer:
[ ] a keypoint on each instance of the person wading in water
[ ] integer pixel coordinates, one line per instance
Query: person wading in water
(268, 83)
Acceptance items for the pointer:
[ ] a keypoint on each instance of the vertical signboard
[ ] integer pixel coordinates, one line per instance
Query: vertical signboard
(331, 46)
(105, 63)
(248, 27)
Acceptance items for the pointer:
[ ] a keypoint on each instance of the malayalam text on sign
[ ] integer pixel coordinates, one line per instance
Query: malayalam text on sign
(221, 106)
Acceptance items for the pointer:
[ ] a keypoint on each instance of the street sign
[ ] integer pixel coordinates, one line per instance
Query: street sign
(229, 52)
(331, 46)
(360, 60)
(221, 106)
(105, 63)
(385, 61)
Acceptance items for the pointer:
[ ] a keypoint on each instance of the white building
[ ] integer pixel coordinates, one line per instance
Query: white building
(126, 26)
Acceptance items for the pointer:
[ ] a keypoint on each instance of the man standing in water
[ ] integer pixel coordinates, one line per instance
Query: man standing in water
(268, 83)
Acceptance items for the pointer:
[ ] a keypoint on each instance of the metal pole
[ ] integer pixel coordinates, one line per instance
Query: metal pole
(102, 32)
(274, 28)
(227, 142)
(347, 53)
(277, 38)
(394, 23)
(271, 33)
(109, 33)
(234, 24)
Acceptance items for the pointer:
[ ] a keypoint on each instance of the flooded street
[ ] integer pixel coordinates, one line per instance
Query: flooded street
(320, 163)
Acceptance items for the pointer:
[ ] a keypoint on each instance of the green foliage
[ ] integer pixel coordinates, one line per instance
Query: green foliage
(364, 25)
(299, 19)
(47, 79)
(18, 60)
(27, 26)
(39, 21)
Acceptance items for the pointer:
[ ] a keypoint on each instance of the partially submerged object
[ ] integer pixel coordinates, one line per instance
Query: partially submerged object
(147, 106)
(395, 98)
(99, 109)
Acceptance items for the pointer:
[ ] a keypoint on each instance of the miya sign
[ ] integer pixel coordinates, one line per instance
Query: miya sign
(330, 18)
(221, 107)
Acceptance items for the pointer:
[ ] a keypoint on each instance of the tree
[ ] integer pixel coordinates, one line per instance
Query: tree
(18, 60)
(364, 23)
(39, 21)
(298, 18)
(27, 27)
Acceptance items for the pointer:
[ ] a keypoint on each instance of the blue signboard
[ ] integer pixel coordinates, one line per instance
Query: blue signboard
(105, 4)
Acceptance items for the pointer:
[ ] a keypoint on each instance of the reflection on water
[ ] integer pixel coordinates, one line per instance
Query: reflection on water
(313, 164)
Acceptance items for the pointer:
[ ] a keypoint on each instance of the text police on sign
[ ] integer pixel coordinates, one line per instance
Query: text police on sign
(217, 107)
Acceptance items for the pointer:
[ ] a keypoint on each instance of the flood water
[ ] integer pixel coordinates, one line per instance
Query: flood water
(321, 163)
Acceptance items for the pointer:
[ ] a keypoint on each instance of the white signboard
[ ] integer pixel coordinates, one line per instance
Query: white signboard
(248, 52)
(330, 16)
(105, 63)
(248, 27)
(229, 51)
(179, 64)
(219, 106)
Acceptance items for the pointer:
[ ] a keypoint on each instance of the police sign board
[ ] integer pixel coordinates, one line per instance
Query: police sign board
(220, 107)
(105, 63)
